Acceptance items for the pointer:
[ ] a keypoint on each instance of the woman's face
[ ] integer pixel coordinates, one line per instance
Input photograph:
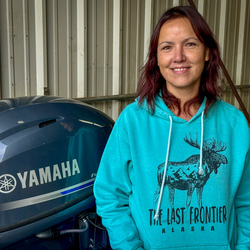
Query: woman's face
(181, 57)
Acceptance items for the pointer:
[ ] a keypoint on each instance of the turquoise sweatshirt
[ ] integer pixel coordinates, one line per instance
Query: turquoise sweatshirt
(167, 183)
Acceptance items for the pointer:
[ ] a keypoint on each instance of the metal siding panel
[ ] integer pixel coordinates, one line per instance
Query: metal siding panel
(79, 53)
(227, 28)
(108, 107)
(77, 59)
(105, 47)
(19, 48)
(32, 48)
(91, 52)
(100, 37)
(40, 47)
(126, 45)
(231, 32)
(240, 41)
(139, 43)
(103, 84)
(200, 6)
(21, 26)
(117, 50)
(246, 98)
(64, 47)
(60, 47)
(91, 78)
(81, 46)
(26, 49)
(213, 10)
(132, 39)
(7, 64)
(226, 19)
(106, 39)
(246, 48)
(36, 47)
(222, 25)
(148, 26)
(100, 52)
(95, 48)
(52, 44)
(135, 43)
(45, 84)
(68, 48)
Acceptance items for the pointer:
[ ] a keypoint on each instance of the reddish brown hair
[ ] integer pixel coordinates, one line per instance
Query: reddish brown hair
(152, 82)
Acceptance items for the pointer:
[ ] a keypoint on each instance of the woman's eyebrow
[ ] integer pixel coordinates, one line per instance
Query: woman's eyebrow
(183, 41)
(165, 42)
(190, 38)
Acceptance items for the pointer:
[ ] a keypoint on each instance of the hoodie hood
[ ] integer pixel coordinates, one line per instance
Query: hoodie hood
(163, 112)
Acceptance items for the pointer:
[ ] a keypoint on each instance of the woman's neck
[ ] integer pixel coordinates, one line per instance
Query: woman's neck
(183, 114)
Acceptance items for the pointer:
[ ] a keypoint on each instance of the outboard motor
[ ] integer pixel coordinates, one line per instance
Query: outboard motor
(50, 149)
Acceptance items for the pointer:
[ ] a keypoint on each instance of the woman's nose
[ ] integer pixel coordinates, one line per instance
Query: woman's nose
(179, 54)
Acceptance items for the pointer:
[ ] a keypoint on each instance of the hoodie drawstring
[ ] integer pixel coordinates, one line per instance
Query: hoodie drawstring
(200, 171)
(156, 217)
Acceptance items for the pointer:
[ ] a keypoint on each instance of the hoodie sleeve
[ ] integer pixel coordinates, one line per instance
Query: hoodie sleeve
(112, 189)
(242, 204)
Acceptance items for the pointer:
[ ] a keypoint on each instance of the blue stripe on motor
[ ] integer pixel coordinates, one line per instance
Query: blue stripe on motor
(77, 188)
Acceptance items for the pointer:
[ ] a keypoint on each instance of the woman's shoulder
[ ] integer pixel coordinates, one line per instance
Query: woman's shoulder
(227, 109)
(229, 113)
(130, 110)
(131, 107)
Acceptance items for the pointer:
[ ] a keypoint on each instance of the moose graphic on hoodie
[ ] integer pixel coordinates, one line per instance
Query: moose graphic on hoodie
(189, 174)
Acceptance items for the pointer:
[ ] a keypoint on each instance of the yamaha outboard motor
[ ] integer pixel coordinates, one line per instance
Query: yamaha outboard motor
(50, 149)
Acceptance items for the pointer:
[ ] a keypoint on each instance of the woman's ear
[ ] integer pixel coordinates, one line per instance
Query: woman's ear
(207, 54)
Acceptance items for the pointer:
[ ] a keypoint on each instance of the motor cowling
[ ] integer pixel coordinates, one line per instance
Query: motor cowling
(50, 149)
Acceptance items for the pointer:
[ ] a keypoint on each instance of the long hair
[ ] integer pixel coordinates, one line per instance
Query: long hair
(152, 82)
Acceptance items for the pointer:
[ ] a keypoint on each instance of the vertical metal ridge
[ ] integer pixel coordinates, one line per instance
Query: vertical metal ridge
(39, 47)
(81, 48)
(138, 42)
(116, 75)
(53, 58)
(68, 52)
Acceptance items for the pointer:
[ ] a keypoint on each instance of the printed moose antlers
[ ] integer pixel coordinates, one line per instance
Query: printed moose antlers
(210, 144)
(191, 141)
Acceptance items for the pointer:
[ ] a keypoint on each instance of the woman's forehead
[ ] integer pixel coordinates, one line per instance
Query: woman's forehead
(174, 29)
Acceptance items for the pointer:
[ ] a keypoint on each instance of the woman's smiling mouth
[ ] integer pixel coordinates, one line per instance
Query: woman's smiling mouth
(180, 69)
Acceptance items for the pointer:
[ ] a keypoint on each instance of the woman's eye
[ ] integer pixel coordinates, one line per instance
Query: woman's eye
(166, 48)
(190, 44)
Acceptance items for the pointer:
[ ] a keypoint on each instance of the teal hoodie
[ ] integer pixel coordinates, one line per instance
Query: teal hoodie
(167, 183)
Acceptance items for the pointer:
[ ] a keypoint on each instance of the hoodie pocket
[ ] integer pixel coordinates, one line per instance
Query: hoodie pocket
(205, 247)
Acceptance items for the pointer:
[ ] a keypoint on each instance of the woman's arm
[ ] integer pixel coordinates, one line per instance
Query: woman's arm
(112, 189)
(242, 198)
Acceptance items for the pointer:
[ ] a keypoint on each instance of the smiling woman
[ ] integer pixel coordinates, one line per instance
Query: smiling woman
(178, 138)
(181, 60)
(194, 35)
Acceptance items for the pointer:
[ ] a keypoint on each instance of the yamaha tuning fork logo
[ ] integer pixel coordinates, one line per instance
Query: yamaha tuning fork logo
(7, 183)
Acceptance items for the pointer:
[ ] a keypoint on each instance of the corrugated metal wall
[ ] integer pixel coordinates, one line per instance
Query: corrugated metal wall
(95, 48)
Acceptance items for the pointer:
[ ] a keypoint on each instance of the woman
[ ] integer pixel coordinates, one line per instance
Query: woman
(176, 172)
